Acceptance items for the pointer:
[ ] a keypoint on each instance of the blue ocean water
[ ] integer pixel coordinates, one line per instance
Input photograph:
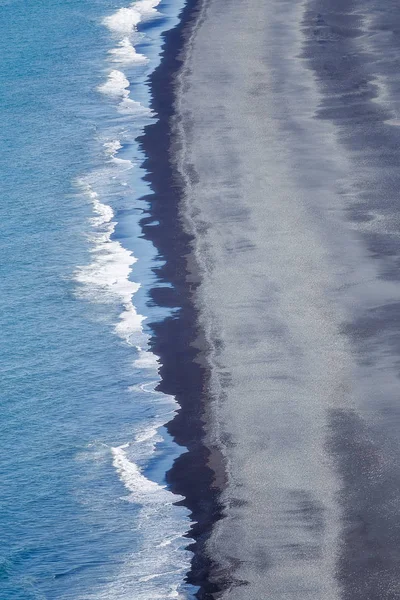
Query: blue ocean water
(84, 512)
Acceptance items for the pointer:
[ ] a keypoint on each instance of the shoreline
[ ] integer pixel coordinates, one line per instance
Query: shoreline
(269, 175)
(183, 374)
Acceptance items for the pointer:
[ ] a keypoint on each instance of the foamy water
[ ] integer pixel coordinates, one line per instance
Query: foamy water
(157, 569)
(106, 279)
(124, 26)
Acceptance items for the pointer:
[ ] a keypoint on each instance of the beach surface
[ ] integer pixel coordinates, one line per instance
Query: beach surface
(285, 146)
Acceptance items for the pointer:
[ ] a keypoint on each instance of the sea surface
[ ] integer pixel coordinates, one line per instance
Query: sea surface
(84, 510)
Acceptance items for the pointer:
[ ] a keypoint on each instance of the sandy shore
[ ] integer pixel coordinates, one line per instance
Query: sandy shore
(269, 103)
(274, 167)
(178, 340)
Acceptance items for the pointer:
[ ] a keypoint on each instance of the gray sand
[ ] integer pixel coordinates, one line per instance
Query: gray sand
(282, 273)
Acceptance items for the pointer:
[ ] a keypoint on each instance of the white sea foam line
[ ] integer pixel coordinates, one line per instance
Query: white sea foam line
(112, 146)
(106, 279)
(143, 387)
(124, 25)
(161, 562)
(146, 360)
(125, 21)
(125, 53)
(116, 86)
(162, 557)
(158, 569)
(111, 149)
(142, 490)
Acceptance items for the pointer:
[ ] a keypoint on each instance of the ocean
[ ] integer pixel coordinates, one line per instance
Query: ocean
(84, 508)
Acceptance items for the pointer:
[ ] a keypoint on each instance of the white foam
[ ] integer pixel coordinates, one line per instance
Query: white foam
(103, 211)
(148, 434)
(125, 54)
(105, 279)
(124, 23)
(116, 86)
(111, 147)
(126, 20)
(131, 107)
(157, 568)
(142, 490)
(146, 360)
(130, 325)
(144, 387)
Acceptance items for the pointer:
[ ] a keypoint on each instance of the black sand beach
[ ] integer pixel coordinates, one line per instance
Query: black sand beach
(353, 49)
(281, 186)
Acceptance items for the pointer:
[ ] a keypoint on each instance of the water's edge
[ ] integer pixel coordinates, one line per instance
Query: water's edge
(175, 340)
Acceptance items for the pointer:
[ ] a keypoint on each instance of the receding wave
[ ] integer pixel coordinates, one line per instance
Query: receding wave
(158, 569)
(117, 86)
(123, 24)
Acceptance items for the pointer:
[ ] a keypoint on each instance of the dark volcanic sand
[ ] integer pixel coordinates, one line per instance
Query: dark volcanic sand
(183, 373)
(288, 116)
(286, 167)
